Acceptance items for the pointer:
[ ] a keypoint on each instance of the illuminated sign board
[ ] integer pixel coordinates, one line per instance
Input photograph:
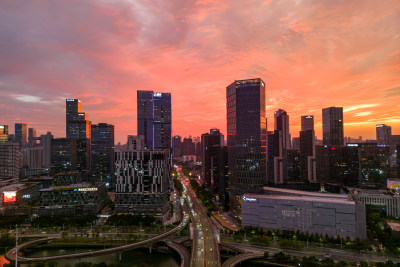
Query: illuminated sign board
(86, 189)
(352, 145)
(157, 94)
(26, 196)
(70, 100)
(262, 84)
(9, 197)
(1, 127)
(393, 185)
(379, 125)
(309, 117)
(249, 199)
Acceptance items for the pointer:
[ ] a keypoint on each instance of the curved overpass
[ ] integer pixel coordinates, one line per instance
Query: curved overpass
(242, 257)
(182, 251)
(11, 254)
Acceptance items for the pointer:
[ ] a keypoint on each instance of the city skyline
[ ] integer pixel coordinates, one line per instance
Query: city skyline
(106, 53)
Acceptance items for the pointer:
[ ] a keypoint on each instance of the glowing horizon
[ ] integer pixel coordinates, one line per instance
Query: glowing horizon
(311, 54)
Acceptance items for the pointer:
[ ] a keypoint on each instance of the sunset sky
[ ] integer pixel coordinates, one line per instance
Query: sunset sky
(311, 55)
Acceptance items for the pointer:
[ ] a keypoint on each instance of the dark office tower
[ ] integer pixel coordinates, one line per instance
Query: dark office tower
(45, 142)
(21, 134)
(282, 124)
(246, 125)
(32, 137)
(282, 137)
(154, 119)
(383, 133)
(296, 143)
(332, 126)
(3, 133)
(176, 146)
(188, 147)
(197, 150)
(308, 165)
(63, 155)
(374, 165)
(394, 148)
(307, 123)
(103, 153)
(79, 128)
(208, 141)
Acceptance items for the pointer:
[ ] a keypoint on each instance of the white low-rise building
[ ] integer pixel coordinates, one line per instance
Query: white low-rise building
(283, 209)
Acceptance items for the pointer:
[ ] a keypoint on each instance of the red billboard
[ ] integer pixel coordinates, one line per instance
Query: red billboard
(9, 197)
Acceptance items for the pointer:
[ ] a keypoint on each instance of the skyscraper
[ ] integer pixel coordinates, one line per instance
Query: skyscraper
(32, 137)
(63, 155)
(9, 161)
(332, 126)
(3, 133)
(209, 140)
(307, 123)
(246, 126)
(45, 142)
(176, 146)
(383, 133)
(281, 146)
(78, 127)
(282, 124)
(102, 153)
(21, 134)
(154, 119)
(307, 149)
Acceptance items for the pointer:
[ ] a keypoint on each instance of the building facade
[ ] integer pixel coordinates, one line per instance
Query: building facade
(383, 133)
(142, 185)
(63, 155)
(10, 158)
(21, 134)
(246, 139)
(3, 133)
(78, 127)
(73, 200)
(102, 153)
(332, 126)
(154, 119)
(317, 213)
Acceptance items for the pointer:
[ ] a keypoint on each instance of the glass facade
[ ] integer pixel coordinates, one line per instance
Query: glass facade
(103, 153)
(154, 119)
(332, 126)
(79, 128)
(21, 134)
(246, 126)
(63, 155)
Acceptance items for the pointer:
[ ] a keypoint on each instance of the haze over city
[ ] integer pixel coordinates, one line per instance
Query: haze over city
(311, 54)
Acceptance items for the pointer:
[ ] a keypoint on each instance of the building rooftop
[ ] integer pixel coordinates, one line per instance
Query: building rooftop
(346, 200)
(283, 191)
(395, 226)
(16, 186)
(72, 187)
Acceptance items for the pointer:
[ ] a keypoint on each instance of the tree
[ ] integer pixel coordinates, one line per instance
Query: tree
(266, 255)
(64, 235)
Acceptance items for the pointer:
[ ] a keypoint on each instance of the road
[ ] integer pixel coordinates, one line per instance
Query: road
(321, 253)
(11, 254)
(205, 244)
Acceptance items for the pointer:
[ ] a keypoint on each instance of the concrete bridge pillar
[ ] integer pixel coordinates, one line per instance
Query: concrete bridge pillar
(120, 256)
(150, 249)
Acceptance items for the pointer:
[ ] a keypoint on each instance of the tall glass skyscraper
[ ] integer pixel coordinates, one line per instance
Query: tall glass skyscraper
(79, 128)
(21, 134)
(154, 119)
(103, 153)
(3, 133)
(246, 126)
(332, 126)
(383, 133)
